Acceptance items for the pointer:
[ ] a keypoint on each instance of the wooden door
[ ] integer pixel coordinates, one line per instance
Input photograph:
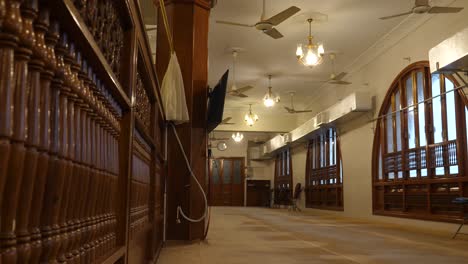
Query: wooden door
(227, 182)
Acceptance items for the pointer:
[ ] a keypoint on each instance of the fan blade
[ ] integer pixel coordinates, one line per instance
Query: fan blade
(273, 33)
(282, 16)
(244, 89)
(339, 76)
(444, 10)
(241, 95)
(233, 23)
(227, 119)
(302, 111)
(340, 82)
(399, 15)
(421, 2)
(289, 109)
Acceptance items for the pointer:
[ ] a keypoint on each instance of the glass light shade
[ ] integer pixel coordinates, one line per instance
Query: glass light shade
(250, 119)
(237, 137)
(320, 50)
(268, 102)
(299, 52)
(270, 99)
(311, 58)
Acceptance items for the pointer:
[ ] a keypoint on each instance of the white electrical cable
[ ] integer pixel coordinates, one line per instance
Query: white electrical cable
(179, 209)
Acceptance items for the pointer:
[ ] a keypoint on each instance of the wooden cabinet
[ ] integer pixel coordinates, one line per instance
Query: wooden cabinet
(227, 182)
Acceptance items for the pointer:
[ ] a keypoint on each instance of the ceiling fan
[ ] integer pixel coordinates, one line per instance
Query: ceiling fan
(267, 25)
(234, 91)
(335, 78)
(226, 121)
(422, 7)
(291, 109)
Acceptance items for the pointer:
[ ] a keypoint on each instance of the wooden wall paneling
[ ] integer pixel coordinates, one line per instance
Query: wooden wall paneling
(9, 185)
(124, 181)
(126, 144)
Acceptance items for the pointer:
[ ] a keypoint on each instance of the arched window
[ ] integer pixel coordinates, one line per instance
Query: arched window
(283, 177)
(419, 163)
(324, 177)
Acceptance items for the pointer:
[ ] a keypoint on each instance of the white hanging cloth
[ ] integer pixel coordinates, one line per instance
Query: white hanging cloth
(173, 93)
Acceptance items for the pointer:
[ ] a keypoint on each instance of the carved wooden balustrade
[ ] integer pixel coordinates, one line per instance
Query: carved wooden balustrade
(66, 122)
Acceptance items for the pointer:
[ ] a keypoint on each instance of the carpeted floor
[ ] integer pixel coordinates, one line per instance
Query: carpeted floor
(271, 236)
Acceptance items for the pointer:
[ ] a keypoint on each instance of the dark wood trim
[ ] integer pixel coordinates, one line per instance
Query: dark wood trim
(324, 180)
(77, 27)
(283, 179)
(427, 197)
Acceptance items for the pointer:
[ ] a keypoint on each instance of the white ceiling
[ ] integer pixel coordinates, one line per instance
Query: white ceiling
(352, 27)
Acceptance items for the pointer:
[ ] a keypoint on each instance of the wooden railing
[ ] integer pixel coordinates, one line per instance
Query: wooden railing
(68, 172)
(324, 189)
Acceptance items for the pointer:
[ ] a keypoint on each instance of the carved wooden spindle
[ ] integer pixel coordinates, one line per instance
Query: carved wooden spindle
(11, 28)
(22, 56)
(95, 190)
(2, 11)
(54, 182)
(81, 6)
(74, 173)
(98, 200)
(105, 161)
(74, 154)
(91, 15)
(102, 176)
(46, 187)
(84, 181)
(43, 54)
(85, 73)
(64, 163)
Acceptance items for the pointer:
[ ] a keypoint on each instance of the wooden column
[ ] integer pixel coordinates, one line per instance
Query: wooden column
(188, 21)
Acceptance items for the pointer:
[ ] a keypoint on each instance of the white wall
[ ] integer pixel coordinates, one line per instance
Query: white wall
(283, 122)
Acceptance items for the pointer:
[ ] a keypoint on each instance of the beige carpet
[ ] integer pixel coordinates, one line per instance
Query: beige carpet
(271, 236)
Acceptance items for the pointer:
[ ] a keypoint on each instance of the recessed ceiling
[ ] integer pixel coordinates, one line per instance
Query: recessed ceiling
(352, 27)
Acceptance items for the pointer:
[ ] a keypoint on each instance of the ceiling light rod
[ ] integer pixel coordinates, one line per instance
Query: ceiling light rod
(234, 57)
(313, 53)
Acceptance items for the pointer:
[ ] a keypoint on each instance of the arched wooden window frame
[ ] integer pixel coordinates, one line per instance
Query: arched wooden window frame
(324, 183)
(427, 197)
(283, 180)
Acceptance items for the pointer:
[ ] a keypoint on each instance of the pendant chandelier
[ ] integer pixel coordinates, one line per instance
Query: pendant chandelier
(270, 99)
(310, 55)
(237, 137)
(250, 118)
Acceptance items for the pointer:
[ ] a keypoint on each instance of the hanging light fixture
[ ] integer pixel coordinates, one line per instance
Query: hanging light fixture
(270, 99)
(250, 118)
(312, 55)
(237, 137)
